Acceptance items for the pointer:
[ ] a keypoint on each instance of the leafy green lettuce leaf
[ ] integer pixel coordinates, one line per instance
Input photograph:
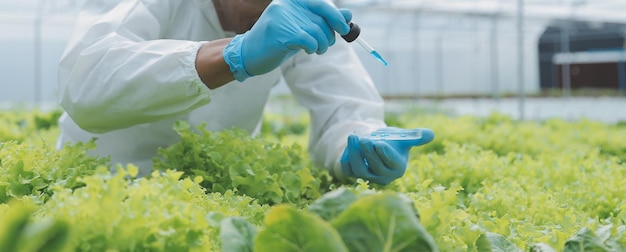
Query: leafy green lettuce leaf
(237, 235)
(587, 240)
(491, 242)
(541, 247)
(382, 222)
(19, 232)
(332, 203)
(291, 229)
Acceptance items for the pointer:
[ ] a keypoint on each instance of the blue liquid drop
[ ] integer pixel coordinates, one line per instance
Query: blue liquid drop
(379, 58)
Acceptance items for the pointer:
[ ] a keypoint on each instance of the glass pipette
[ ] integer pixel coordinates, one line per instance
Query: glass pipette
(353, 35)
(371, 50)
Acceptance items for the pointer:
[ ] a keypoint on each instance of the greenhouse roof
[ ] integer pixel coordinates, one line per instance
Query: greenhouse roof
(597, 10)
(590, 10)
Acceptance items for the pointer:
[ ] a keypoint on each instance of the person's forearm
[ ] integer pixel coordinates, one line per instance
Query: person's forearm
(210, 64)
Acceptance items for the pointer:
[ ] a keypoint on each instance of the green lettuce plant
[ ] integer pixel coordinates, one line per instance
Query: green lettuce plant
(342, 220)
(232, 160)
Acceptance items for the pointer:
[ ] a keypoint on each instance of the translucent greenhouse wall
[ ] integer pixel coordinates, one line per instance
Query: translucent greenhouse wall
(431, 52)
(31, 43)
(438, 55)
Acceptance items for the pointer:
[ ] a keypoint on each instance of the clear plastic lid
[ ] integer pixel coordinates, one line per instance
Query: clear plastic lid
(390, 134)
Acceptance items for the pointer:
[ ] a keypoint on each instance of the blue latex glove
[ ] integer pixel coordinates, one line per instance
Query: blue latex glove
(379, 161)
(284, 28)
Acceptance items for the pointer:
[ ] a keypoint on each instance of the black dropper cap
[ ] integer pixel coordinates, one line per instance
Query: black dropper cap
(355, 30)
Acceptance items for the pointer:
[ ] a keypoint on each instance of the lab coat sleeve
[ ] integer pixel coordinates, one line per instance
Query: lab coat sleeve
(340, 96)
(116, 72)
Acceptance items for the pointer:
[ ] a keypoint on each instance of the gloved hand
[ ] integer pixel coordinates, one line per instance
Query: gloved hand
(285, 27)
(379, 161)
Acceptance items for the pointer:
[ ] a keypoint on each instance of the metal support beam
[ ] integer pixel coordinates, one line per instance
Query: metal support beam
(37, 59)
(520, 58)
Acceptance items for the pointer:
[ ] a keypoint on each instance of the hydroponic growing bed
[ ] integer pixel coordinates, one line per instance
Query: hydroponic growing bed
(483, 184)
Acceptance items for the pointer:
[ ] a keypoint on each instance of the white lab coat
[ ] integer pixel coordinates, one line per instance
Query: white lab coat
(128, 73)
